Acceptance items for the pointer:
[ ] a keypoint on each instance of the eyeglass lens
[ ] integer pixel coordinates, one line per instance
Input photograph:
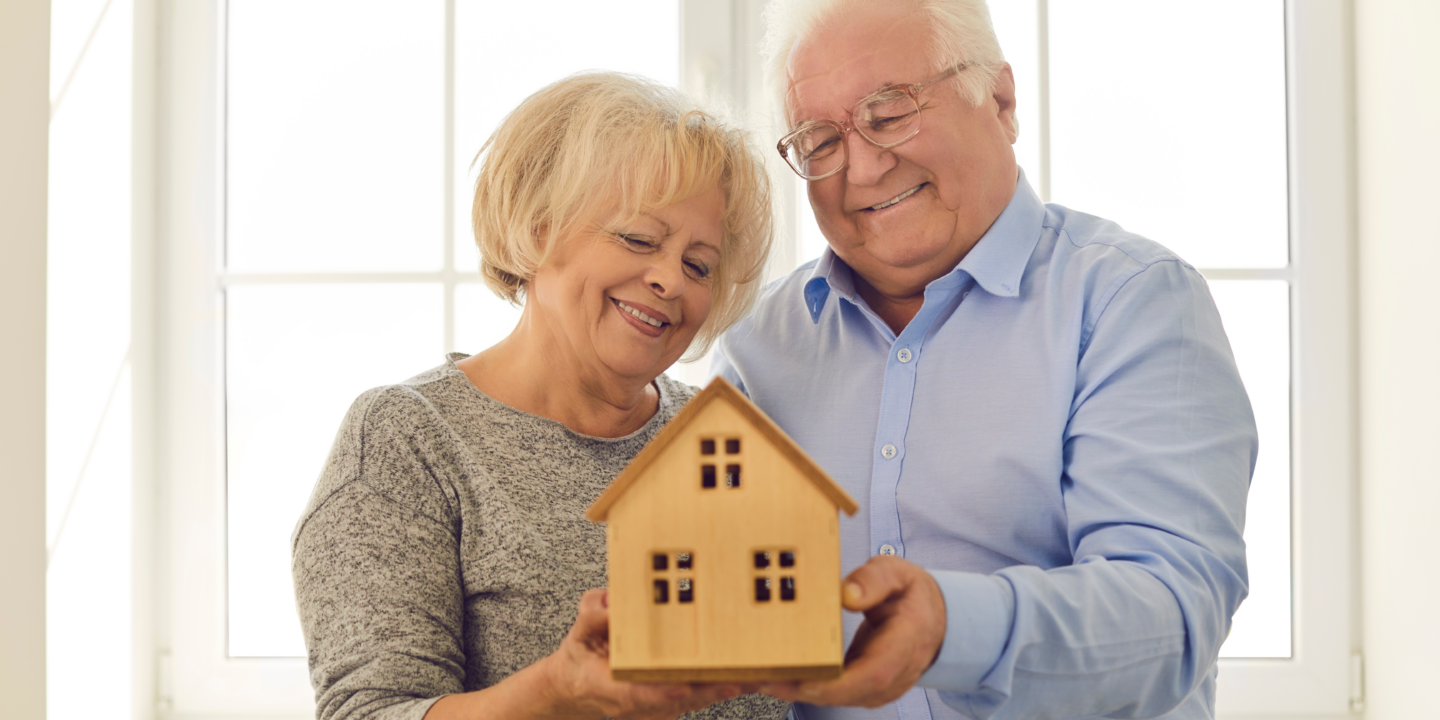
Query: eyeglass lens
(885, 118)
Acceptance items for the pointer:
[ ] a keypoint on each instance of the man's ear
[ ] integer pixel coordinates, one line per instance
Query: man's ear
(1005, 101)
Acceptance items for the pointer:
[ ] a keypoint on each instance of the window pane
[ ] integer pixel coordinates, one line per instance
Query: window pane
(481, 318)
(1169, 118)
(335, 139)
(504, 52)
(1257, 319)
(297, 356)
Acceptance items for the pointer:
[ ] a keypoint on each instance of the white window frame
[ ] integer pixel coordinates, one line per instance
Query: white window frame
(196, 678)
(1322, 678)
(718, 58)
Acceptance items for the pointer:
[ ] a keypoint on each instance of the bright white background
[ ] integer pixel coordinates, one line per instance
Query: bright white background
(1389, 51)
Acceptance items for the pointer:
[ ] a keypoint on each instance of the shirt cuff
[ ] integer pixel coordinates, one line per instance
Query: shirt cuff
(979, 610)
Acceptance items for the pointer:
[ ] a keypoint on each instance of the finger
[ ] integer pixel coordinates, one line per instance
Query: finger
(889, 652)
(667, 700)
(878, 579)
(592, 623)
(869, 684)
(595, 601)
(703, 696)
(593, 614)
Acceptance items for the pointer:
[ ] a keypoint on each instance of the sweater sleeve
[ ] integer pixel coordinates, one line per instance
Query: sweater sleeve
(376, 568)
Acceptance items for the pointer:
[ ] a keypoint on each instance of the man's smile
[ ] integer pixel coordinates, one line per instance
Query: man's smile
(896, 199)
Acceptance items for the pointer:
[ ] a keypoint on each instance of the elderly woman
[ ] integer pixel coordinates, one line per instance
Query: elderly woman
(441, 560)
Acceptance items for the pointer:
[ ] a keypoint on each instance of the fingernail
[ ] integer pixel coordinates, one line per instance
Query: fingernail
(853, 592)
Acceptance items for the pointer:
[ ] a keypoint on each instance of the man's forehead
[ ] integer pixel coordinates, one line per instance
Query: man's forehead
(853, 54)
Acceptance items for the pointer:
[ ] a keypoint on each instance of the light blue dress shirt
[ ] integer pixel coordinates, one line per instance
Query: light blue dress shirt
(1060, 436)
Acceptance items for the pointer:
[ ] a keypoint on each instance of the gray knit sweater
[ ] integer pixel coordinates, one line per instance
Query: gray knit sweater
(445, 546)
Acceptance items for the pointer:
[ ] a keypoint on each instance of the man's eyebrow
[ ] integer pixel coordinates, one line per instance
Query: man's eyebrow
(887, 85)
(882, 88)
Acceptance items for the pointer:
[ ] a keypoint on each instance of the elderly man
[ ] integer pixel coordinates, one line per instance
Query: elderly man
(1039, 411)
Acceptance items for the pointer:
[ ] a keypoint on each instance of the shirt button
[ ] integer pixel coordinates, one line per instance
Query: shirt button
(887, 549)
(888, 451)
(904, 355)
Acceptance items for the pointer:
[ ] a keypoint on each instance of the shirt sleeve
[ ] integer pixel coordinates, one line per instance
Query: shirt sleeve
(377, 577)
(1158, 454)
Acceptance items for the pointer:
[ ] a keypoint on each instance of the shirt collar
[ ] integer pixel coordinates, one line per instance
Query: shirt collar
(997, 261)
(829, 272)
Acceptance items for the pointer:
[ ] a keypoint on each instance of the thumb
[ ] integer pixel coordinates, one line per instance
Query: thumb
(872, 583)
(593, 619)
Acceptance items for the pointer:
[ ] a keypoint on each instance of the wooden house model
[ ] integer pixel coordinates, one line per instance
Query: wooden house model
(724, 552)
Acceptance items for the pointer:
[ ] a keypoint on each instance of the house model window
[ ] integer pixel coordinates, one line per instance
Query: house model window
(768, 563)
(710, 462)
(663, 573)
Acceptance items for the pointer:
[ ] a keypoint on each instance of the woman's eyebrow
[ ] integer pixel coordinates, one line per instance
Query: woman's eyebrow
(668, 229)
(708, 244)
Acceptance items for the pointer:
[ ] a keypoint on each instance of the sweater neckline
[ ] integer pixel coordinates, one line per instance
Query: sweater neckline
(662, 414)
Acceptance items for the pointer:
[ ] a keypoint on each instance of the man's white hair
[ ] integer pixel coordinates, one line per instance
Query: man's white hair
(962, 34)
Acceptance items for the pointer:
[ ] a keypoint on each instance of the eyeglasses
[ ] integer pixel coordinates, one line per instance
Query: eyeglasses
(886, 118)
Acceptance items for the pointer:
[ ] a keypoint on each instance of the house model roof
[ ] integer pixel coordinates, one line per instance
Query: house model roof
(719, 390)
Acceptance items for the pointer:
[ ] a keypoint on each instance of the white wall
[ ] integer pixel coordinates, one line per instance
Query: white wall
(24, 57)
(1398, 148)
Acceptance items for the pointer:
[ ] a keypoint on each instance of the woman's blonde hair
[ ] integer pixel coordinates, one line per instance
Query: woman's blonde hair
(597, 142)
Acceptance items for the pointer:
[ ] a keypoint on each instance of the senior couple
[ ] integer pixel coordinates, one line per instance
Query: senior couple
(1038, 411)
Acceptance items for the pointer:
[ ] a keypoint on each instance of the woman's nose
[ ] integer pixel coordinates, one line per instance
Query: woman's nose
(666, 276)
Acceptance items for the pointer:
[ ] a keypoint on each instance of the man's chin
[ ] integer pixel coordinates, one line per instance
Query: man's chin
(903, 256)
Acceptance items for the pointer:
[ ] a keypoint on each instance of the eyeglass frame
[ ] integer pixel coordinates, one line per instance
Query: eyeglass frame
(912, 90)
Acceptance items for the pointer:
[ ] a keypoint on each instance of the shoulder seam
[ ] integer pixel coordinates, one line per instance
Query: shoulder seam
(1147, 263)
(358, 477)
(1113, 289)
(359, 466)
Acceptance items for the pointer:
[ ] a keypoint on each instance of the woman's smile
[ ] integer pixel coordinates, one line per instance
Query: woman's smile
(647, 320)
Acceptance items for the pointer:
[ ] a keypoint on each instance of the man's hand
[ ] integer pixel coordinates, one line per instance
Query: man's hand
(899, 639)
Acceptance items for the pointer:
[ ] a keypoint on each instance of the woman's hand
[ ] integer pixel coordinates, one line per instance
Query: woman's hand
(581, 686)
(574, 682)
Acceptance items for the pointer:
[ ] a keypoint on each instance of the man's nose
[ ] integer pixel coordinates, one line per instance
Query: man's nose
(866, 164)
